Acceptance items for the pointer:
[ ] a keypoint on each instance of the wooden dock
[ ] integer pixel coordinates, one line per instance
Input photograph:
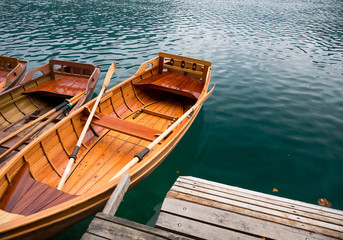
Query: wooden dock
(199, 209)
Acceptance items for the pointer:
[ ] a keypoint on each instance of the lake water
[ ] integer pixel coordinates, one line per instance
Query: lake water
(275, 119)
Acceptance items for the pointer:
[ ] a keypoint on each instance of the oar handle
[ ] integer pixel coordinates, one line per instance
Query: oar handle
(138, 157)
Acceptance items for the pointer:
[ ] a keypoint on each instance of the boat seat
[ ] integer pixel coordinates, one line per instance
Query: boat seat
(64, 86)
(174, 82)
(26, 196)
(126, 127)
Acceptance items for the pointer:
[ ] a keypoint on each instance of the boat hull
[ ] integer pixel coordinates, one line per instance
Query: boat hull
(106, 151)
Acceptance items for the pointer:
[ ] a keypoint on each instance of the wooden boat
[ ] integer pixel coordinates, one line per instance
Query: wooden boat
(157, 102)
(12, 71)
(41, 93)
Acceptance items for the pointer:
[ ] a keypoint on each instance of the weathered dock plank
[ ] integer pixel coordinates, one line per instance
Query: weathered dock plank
(105, 226)
(236, 213)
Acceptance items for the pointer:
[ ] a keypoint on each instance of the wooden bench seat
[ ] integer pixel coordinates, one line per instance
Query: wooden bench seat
(27, 196)
(174, 82)
(126, 127)
(64, 86)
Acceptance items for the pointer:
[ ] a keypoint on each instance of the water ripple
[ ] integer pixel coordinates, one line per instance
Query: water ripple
(276, 118)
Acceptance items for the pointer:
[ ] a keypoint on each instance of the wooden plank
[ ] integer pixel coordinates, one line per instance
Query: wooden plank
(104, 164)
(111, 227)
(117, 195)
(257, 212)
(21, 183)
(126, 127)
(122, 161)
(234, 221)
(107, 230)
(64, 86)
(267, 197)
(43, 200)
(196, 229)
(253, 201)
(82, 170)
(172, 82)
(90, 236)
(30, 196)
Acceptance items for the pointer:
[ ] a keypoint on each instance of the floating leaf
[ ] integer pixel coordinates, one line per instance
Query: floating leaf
(324, 202)
(275, 190)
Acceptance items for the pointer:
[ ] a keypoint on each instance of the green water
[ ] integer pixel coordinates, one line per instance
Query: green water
(276, 117)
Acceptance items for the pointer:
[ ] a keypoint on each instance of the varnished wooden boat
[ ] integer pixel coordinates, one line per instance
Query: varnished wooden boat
(129, 117)
(41, 92)
(12, 71)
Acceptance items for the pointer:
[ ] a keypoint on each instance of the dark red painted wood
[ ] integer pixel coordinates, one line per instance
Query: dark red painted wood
(21, 183)
(26, 196)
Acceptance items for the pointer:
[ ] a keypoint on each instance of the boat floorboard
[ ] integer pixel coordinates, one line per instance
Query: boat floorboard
(115, 149)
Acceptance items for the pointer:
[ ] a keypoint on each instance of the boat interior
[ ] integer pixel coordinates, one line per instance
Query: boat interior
(129, 117)
(43, 89)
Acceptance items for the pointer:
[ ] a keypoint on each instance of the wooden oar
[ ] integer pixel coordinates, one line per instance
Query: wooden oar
(26, 126)
(85, 128)
(138, 157)
(66, 105)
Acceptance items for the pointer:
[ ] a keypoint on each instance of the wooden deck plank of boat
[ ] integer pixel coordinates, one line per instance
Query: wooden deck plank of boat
(96, 170)
(105, 164)
(227, 211)
(95, 159)
(108, 171)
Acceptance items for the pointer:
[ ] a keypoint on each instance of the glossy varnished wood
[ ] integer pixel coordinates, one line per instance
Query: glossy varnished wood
(62, 86)
(129, 116)
(27, 196)
(36, 96)
(175, 83)
(127, 127)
